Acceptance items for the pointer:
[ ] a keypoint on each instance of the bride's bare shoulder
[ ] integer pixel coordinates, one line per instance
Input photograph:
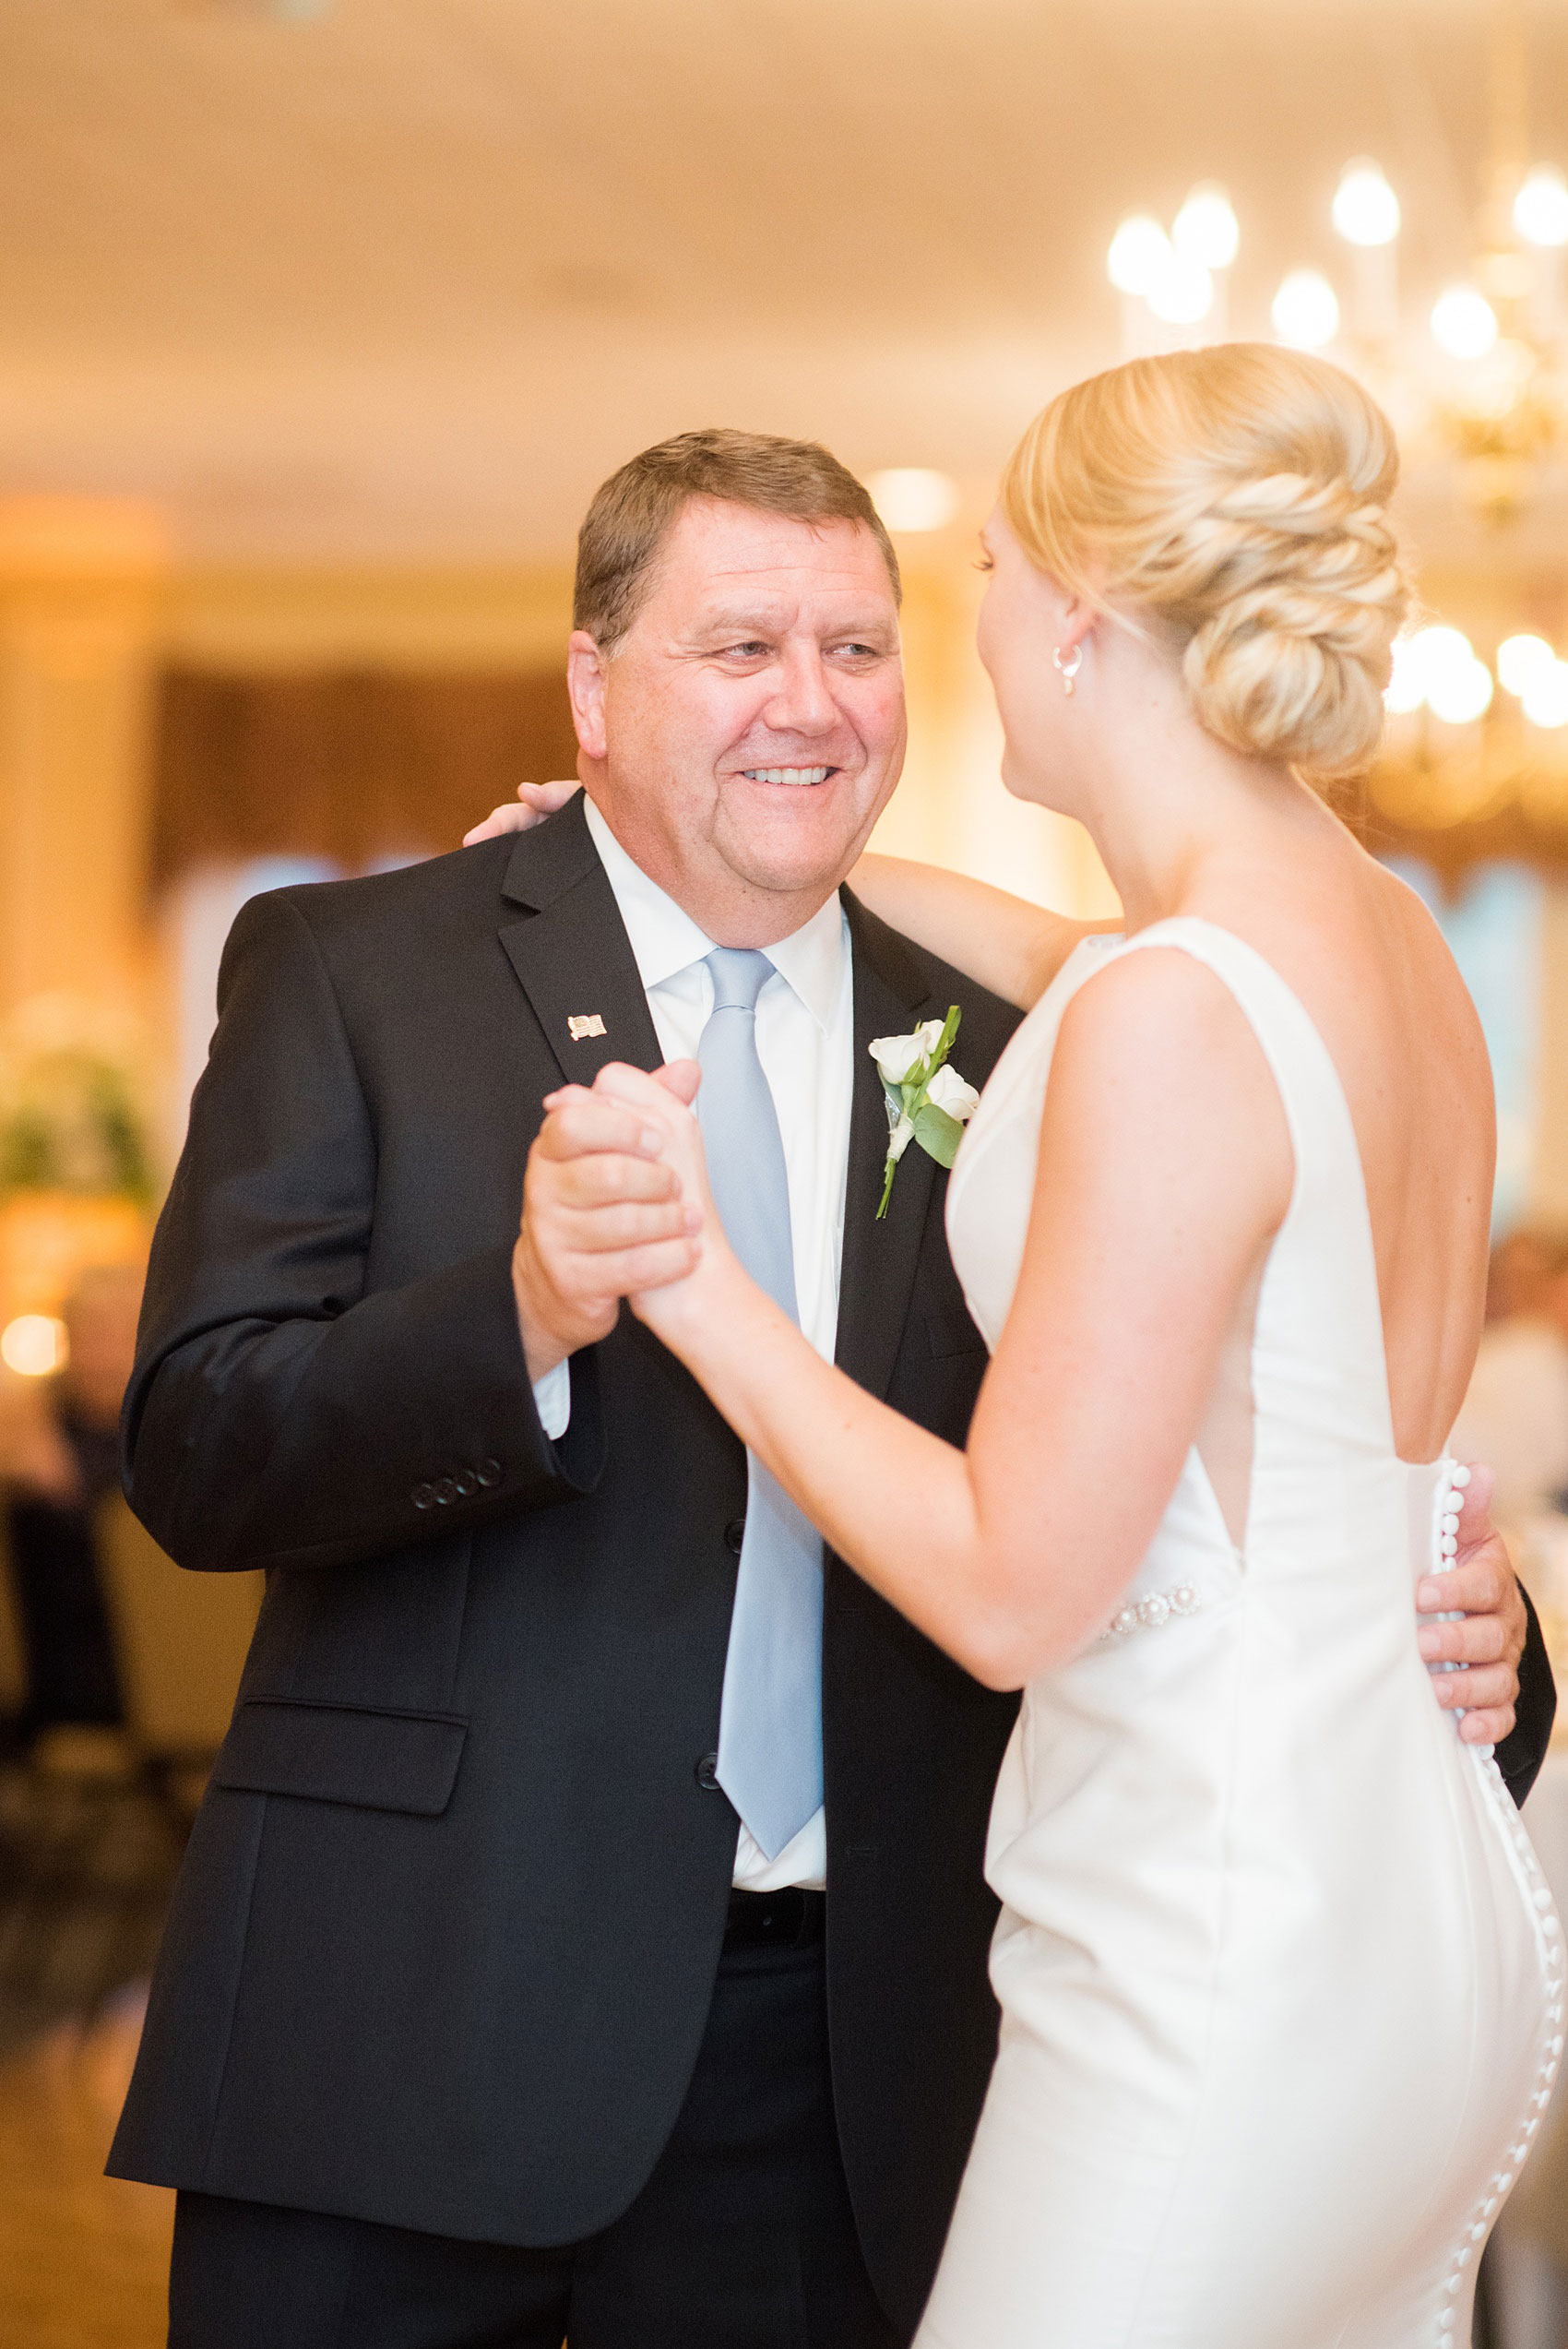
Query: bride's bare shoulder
(1157, 1021)
(1160, 1094)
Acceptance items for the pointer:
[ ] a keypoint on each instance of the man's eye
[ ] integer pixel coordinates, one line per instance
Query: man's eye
(753, 650)
(861, 652)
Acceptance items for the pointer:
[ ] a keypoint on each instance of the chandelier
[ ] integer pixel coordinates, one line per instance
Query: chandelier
(1481, 380)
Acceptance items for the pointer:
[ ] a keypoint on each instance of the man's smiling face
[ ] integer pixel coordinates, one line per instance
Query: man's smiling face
(748, 730)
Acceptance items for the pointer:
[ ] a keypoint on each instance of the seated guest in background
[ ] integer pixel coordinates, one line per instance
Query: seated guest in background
(58, 1461)
(1515, 1414)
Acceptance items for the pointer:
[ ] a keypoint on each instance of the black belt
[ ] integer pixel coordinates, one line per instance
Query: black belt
(790, 1919)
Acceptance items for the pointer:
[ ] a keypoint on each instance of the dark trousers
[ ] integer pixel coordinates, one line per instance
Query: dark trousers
(742, 2237)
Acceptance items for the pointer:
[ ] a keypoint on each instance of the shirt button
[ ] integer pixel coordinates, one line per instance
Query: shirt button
(467, 1483)
(489, 1471)
(422, 1496)
(444, 1490)
(735, 1534)
(707, 1774)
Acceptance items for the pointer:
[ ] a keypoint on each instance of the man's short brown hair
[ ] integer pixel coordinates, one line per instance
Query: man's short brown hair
(633, 510)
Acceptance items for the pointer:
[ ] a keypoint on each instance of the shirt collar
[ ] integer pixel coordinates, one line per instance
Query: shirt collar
(665, 939)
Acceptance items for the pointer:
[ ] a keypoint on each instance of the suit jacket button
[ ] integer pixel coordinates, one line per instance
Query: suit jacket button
(444, 1490)
(707, 1774)
(735, 1534)
(423, 1496)
(467, 1484)
(489, 1471)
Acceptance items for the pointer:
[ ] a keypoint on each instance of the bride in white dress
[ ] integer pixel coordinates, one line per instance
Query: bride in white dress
(1281, 1984)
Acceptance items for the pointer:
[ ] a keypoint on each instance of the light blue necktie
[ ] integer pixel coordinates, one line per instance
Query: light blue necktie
(770, 1722)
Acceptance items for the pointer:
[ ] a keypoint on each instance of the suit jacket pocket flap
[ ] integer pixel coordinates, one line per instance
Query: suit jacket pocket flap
(384, 1761)
(951, 1333)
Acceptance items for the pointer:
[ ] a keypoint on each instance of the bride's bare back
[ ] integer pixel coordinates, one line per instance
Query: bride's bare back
(1371, 967)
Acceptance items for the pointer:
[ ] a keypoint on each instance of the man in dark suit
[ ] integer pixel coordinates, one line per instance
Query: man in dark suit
(502, 1998)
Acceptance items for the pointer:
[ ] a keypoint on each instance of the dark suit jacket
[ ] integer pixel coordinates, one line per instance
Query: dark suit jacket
(444, 1942)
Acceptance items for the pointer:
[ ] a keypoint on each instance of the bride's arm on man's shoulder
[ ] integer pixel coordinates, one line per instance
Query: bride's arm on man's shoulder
(1014, 948)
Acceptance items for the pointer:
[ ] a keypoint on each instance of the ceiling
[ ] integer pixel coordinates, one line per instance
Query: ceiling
(405, 281)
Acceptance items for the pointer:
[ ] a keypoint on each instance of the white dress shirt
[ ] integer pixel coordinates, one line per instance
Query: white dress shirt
(806, 1032)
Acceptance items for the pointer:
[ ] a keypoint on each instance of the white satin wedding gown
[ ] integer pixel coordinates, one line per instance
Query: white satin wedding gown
(1282, 1981)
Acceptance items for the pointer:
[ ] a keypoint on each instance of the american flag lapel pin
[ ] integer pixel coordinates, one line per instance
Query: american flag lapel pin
(585, 1023)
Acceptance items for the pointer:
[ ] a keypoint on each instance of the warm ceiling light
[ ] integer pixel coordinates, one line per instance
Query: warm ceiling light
(1464, 323)
(1520, 659)
(1540, 208)
(1206, 229)
(1139, 251)
(912, 497)
(33, 1345)
(1366, 210)
(1183, 292)
(1306, 310)
(1546, 697)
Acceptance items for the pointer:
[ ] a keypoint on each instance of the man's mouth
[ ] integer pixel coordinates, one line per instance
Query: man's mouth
(796, 776)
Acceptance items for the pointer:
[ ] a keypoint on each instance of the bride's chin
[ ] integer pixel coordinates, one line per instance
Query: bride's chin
(1026, 783)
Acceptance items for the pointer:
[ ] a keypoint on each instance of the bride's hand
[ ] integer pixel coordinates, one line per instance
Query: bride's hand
(533, 804)
(680, 1309)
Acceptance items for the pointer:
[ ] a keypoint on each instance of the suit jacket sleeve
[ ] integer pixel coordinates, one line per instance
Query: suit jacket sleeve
(1522, 1752)
(282, 1413)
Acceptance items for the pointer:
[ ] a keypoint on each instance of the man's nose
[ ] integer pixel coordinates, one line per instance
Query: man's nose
(802, 702)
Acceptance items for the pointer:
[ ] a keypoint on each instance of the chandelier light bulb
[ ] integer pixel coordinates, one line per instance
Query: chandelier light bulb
(1183, 292)
(1139, 251)
(1521, 660)
(1366, 210)
(1438, 648)
(1546, 698)
(1437, 665)
(911, 498)
(1306, 310)
(1206, 229)
(1460, 692)
(1464, 323)
(1406, 688)
(1540, 208)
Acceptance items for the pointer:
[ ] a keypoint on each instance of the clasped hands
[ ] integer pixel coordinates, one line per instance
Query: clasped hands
(616, 1205)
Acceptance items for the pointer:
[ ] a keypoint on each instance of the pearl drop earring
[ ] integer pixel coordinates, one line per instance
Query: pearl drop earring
(1067, 670)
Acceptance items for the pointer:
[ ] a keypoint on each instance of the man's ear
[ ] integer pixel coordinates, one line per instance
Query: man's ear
(586, 676)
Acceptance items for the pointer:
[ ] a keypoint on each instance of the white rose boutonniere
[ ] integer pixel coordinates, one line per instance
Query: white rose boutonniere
(928, 1102)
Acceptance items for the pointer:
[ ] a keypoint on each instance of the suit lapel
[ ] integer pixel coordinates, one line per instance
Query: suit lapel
(571, 952)
(573, 960)
(878, 1268)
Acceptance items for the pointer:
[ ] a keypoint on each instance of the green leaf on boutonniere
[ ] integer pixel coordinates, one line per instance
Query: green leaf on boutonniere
(937, 1134)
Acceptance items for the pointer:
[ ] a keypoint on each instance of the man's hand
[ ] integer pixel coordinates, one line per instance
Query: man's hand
(533, 804)
(1490, 1639)
(602, 1216)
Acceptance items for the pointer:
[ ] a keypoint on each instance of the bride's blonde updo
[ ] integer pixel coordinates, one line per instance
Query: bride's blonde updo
(1237, 496)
